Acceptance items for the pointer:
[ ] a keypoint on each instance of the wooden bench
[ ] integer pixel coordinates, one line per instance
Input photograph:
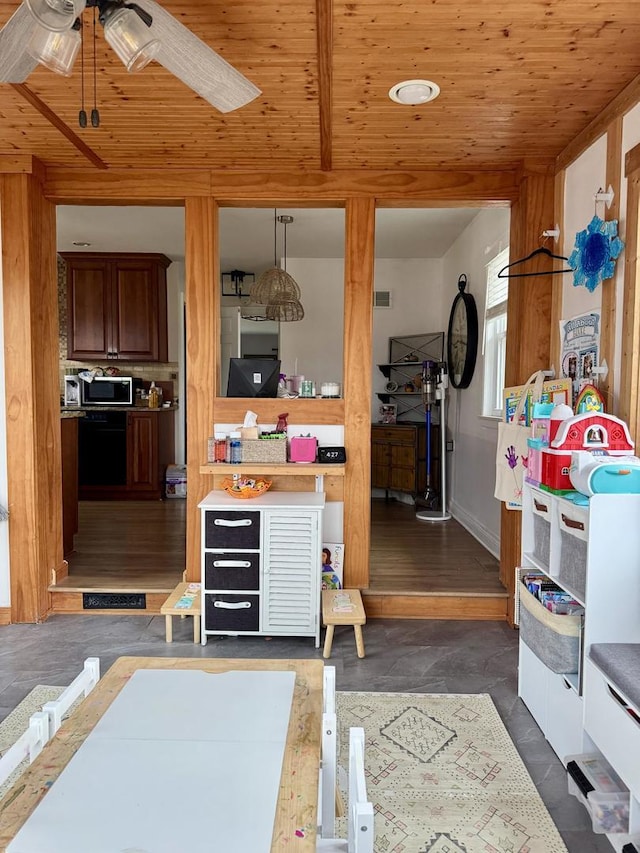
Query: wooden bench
(181, 595)
(343, 607)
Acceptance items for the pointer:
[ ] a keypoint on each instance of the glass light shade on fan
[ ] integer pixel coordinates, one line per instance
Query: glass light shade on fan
(56, 51)
(56, 15)
(131, 39)
(274, 284)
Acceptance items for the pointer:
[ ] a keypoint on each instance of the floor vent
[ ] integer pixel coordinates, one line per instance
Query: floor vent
(114, 601)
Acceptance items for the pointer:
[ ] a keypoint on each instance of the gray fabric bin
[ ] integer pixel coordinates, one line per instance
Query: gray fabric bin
(553, 638)
(541, 540)
(572, 568)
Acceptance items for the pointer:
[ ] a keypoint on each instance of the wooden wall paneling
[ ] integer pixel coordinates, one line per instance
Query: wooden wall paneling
(202, 298)
(608, 304)
(30, 308)
(358, 331)
(5, 616)
(629, 408)
(557, 284)
(135, 186)
(230, 410)
(528, 329)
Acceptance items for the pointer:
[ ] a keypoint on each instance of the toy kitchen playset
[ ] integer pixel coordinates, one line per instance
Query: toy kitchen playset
(587, 453)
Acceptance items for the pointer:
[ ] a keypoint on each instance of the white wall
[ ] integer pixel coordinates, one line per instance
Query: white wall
(315, 342)
(415, 285)
(584, 177)
(5, 598)
(471, 466)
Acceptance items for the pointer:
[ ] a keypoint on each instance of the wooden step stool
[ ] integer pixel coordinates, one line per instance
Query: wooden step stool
(343, 607)
(169, 609)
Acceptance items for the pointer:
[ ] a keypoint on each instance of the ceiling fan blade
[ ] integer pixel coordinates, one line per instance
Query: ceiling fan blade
(193, 62)
(15, 62)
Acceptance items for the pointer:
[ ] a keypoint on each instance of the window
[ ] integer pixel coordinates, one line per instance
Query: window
(494, 345)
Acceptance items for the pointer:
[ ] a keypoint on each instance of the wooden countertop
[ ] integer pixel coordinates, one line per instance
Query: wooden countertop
(79, 411)
(300, 468)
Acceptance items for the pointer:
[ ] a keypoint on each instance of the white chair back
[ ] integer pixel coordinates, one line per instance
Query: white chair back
(81, 685)
(329, 757)
(360, 829)
(29, 745)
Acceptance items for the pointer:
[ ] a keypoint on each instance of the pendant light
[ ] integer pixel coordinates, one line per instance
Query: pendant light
(275, 288)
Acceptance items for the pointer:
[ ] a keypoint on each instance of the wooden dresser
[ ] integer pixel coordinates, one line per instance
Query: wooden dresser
(398, 457)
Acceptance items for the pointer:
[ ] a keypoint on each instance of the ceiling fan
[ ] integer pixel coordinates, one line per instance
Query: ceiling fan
(48, 32)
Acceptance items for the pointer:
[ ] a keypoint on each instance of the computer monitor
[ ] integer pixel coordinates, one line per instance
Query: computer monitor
(253, 377)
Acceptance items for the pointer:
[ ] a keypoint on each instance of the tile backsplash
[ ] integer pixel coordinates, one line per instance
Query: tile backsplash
(156, 371)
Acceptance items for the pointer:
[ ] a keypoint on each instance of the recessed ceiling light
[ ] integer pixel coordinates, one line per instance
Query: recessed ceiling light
(414, 92)
(81, 243)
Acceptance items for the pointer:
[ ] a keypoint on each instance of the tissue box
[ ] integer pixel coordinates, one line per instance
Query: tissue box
(248, 433)
(272, 450)
(303, 448)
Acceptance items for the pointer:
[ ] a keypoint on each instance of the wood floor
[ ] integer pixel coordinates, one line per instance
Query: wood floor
(414, 556)
(140, 546)
(132, 546)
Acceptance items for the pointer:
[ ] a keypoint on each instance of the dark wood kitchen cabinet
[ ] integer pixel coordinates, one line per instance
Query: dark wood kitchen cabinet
(116, 306)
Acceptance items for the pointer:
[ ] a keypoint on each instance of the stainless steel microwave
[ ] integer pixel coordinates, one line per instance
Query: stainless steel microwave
(108, 391)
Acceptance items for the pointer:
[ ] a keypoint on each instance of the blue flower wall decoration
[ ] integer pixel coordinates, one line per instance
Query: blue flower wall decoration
(596, 249)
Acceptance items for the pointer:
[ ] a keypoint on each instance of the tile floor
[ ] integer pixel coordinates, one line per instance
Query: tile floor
(414, 656)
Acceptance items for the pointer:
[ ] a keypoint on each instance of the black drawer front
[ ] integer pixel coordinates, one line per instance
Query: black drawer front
(232, 571)
(232, 529)
(231, 612)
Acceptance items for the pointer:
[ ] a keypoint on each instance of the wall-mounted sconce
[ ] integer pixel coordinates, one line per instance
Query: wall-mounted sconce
(237, 283)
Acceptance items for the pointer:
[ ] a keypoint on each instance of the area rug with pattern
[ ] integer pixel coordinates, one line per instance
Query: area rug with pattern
(444, 776)
(442, 772)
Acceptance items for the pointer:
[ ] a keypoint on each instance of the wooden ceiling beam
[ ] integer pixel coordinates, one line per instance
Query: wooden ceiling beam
(46, 112)
(324, 22)
(165, 186)
(616, 108)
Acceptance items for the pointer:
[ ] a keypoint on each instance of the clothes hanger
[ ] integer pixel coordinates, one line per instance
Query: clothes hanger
(540, 251)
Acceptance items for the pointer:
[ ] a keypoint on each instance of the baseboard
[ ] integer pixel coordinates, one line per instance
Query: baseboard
(484, 536)
(5, 616)
(60, 573)
(485, 607)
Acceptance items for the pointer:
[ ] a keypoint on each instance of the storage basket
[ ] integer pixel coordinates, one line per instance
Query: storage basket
(554, 638)
(572, 568)
(574, 532)
(272, 450)
(541, 540)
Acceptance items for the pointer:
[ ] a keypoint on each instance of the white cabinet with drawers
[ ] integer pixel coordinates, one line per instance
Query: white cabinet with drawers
(262, 564)
(592, 552)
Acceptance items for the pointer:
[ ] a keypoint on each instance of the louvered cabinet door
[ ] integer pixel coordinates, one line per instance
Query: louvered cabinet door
(291, 573)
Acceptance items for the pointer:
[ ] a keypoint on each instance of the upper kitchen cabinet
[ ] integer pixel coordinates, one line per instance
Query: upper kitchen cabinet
(117, 306)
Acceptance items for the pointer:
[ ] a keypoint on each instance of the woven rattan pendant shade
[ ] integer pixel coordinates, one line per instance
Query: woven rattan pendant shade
(285, 310)
(274, 284)
(275, 288)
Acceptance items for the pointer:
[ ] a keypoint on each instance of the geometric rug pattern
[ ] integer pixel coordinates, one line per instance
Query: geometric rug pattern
(444, 776)
(442, 773)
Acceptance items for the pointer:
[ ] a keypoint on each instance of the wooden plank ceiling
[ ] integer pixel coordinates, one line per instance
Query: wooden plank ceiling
(519, 78)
